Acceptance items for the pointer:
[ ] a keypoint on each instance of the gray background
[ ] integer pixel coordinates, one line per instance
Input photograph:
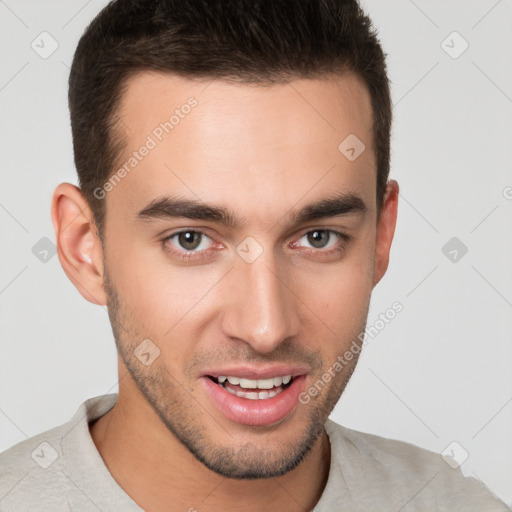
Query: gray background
(438, 373)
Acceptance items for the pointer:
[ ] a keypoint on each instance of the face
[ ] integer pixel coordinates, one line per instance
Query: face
(240, 255)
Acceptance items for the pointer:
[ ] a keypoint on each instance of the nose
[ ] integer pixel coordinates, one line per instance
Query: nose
(262, 310)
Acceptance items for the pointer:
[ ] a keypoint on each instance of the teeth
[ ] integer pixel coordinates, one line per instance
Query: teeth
(248, 383)
(253, 395)
(265, 384)
(272, 382)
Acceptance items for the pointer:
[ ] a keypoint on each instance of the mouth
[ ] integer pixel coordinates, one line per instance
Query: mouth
(260, 389)
(249, 398)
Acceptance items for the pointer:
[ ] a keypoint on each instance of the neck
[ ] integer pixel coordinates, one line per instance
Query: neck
(158, 472)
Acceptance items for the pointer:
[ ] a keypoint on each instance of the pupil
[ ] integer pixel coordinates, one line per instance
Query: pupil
(318, 239)
(189, 240)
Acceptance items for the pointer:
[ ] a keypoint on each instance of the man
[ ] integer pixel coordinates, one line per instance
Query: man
(234, 214)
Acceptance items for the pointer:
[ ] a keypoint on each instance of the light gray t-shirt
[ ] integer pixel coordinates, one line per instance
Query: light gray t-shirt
(61, 470)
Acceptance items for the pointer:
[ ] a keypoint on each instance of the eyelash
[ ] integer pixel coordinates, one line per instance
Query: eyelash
(193, 256)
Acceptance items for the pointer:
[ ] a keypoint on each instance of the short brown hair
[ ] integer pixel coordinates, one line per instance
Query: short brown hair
(248, 41)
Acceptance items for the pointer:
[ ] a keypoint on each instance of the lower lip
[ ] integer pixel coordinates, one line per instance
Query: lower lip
(256, 412)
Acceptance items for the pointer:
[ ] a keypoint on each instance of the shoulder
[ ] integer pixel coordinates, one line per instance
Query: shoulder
(50, 471)
(404, 473)
(29, 469)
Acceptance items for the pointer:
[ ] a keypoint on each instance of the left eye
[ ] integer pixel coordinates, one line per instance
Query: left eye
(190, 240)
(320, 238)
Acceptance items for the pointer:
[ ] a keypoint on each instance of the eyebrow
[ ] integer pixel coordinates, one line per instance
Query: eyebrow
(174, 207)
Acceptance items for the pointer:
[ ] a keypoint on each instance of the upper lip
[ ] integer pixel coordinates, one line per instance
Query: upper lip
(255, 372)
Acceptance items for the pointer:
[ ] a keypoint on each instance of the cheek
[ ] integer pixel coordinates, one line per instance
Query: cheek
(159, 297)
(341, 303)
(339, 295)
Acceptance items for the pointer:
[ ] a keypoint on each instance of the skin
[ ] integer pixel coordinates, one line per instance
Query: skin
(263, 153)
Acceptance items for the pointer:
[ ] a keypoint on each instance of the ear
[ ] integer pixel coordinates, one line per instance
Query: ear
(385, 230)
(78, 245)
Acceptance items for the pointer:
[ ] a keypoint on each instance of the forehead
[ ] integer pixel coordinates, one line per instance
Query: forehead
(333, 104)
(210, 138)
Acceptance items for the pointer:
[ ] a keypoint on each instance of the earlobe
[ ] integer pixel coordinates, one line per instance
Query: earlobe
(386, 224)
(78, 245)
